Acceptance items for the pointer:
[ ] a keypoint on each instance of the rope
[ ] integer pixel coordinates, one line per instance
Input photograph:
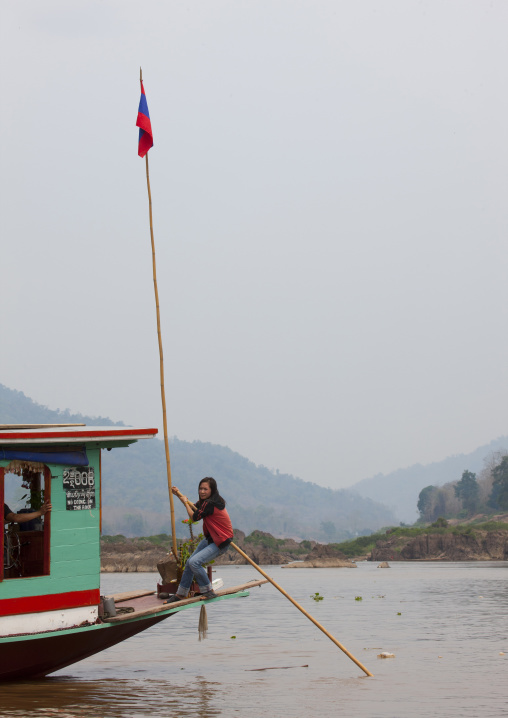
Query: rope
(203, 623)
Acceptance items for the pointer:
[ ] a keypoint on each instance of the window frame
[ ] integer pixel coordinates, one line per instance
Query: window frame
(46, 539)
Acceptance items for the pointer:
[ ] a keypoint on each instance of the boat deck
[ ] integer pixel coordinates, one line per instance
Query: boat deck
(146, 603)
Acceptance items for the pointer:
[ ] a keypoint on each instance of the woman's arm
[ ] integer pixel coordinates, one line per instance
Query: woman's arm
(184, 500)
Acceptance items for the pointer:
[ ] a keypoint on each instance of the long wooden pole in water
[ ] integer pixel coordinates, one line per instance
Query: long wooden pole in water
(161, 356)
(295, 603)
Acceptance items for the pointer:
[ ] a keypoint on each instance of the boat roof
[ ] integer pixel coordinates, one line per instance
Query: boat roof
(104, 436)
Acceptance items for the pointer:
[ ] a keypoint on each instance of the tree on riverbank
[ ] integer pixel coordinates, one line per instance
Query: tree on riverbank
(468, 491)
(500, 484)
(469, 495)
(436, 501)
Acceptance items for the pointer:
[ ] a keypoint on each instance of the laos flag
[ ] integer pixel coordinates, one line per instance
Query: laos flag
(145, 126)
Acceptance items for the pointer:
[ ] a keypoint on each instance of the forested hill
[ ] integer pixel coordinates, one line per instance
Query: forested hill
(400, 489)
(257, 498)
(135, 492)
(16, 408)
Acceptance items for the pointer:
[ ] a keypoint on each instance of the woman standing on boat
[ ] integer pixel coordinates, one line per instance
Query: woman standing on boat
(218, 532)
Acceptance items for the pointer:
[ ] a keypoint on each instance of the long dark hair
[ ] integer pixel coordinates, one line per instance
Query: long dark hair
(214, 496)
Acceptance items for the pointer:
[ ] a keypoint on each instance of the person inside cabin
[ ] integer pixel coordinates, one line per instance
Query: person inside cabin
(11, 517)
(218, 534)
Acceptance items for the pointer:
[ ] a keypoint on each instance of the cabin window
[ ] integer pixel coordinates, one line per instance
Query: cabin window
(25, 486)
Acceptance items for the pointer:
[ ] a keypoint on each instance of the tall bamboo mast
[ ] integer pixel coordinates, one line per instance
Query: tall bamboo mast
(161, 356)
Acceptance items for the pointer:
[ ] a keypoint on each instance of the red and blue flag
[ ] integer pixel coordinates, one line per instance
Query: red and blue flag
(144, 124)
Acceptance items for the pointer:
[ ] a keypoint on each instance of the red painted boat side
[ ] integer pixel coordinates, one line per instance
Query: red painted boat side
(36, 658)
(50, 602)
(82, 433)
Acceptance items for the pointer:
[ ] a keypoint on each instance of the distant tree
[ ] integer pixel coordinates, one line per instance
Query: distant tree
(435, 501)
(425, 502)
(440, 523)
(467, 490)
(500, 484)
(493, 500)
(440, 503)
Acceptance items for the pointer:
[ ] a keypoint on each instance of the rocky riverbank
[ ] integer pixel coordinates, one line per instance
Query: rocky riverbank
(456, 543)
(142, 555)
(131, 556)
(477, 545)
(322, 563)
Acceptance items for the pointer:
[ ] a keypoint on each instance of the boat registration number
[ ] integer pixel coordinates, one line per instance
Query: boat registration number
(79, 485)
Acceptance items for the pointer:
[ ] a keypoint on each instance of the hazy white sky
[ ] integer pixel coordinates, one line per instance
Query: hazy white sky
(330, 185)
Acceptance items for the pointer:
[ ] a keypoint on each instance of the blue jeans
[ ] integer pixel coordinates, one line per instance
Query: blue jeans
(204, 553)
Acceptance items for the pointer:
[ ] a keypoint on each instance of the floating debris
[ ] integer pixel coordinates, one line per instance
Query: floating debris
(317, 597)
(358, 598)
(276, 668)
(385, 654)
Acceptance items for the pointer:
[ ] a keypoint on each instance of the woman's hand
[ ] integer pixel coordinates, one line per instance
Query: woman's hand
(178, 493)
(185, 501)
(46, 506)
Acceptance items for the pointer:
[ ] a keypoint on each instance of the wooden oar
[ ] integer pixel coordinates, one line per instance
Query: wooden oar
(295, 603)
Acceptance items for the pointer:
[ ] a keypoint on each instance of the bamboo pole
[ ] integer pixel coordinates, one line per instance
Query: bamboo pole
(295, 603)
(161, 357)
(300, 608)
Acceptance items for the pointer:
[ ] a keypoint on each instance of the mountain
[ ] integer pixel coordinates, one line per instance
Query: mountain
(135, 492)
(400, 489)
(257, 498)
(281, 504)
(16, 408)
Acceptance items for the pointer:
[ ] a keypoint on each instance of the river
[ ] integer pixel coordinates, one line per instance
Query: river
(445, 623)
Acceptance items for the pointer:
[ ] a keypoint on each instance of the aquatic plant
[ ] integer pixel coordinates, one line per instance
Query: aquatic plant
(317, 597)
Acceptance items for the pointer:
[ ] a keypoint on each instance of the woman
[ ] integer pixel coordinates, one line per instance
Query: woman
(218, 532)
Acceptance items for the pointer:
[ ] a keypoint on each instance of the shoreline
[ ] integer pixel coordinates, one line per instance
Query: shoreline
(141, 555)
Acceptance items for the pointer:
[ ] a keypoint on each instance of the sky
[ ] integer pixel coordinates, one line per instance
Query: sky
(329, 183)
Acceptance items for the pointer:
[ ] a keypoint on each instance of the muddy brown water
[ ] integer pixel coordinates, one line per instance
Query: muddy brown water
(446, 623)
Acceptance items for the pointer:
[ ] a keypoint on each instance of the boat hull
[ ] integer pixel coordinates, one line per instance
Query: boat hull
(37, 656)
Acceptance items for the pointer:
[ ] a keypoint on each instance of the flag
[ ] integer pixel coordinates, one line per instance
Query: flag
(144, 124)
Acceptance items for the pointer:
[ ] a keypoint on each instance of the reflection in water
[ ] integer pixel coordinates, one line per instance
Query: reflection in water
(69, 698)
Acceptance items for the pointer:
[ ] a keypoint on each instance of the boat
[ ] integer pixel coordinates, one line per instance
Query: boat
(52, 613)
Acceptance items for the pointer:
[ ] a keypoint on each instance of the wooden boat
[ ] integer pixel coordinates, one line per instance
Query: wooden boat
(51, 611)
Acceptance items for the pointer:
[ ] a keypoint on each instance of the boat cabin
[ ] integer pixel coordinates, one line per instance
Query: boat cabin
(51, 611)
(50, 565)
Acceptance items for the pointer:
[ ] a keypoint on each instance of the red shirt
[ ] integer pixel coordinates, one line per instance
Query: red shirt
(216, 522)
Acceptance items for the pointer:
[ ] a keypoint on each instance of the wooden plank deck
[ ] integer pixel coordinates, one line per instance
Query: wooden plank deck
(146, 603)
(130, 595)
